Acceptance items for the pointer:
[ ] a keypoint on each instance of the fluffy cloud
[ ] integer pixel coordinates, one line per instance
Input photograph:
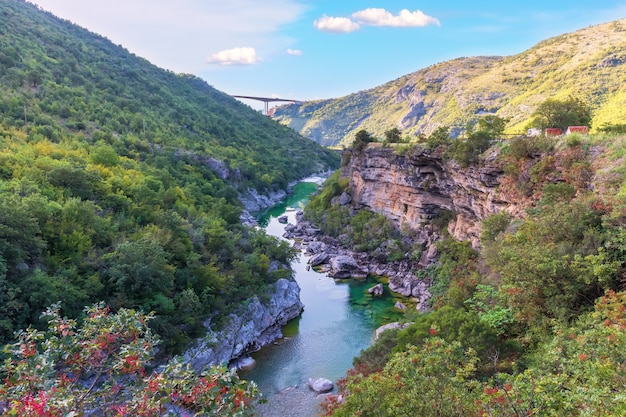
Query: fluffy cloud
(234, 56)
(336, 24)
(296, 52)
(374, 17)
(175, 34)
(381, 17)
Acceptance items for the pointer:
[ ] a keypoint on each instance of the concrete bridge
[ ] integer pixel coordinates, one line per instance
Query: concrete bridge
(268, 100)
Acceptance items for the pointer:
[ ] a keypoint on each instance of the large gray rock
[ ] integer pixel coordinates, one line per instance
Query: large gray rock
(342, 266)
(318, 259)
(388, 326)
(320, 385)
(249, 329)
(316, 247)
(253, 201)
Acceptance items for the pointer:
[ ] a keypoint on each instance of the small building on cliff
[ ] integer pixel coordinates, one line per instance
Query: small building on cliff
(581, 130)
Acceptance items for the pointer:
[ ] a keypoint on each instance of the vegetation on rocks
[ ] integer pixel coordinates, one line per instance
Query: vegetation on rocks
(529, 324)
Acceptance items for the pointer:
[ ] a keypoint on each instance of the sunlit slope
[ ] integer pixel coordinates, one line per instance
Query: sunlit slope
(588, 64)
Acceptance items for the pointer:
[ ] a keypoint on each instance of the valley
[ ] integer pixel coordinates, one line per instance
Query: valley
(140, 211)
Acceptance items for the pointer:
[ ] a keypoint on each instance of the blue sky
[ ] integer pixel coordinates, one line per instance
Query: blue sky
(313, 49)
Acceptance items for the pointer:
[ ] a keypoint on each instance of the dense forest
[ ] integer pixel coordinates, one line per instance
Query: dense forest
(120, 181)
(531, 323)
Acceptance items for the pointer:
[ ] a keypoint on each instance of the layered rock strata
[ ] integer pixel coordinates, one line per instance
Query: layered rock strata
(413, 189)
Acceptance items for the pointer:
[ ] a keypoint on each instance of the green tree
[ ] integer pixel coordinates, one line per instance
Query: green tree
(361, 139)
(434, 379)
(393, 135)
(562, 113)
(140, 270)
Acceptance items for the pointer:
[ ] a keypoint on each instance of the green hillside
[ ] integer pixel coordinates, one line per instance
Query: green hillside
(587, 64)
(119, 181)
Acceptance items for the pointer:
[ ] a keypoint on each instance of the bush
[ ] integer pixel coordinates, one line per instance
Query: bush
(102, 365)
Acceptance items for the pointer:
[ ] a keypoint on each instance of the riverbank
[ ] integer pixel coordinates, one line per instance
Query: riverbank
(338, 321)
(329, 256)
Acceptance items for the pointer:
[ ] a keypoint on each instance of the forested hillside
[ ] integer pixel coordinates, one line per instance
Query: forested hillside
(587, 64)
(119, 181)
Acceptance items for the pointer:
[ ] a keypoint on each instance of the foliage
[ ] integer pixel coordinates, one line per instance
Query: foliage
(479, 138)
(430, 380)
(544, 266)
(450, 324)
(563, 113)
(454, 275)
(102, 365)
(361, 139)
(439, 137)
(494, 225)
(393, 135)
(578, 371)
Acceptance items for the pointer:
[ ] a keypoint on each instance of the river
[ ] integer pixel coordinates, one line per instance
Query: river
(337, 323)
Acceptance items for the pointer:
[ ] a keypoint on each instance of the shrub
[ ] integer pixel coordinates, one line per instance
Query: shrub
(101, 366)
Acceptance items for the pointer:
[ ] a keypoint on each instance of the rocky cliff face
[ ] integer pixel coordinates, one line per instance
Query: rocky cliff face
(254, 326)
(415, 188)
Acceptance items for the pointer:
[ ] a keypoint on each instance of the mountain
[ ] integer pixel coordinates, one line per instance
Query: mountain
(586, 64)
(122, 182)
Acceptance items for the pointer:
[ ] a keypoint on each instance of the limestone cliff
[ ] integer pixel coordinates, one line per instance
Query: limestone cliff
(412, 189)
(254, 326)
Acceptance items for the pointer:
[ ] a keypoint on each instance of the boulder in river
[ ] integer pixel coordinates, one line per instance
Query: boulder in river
(283, 219)
(318, 259)
(342, 266)
(400, 306)
(376, 289)
(320, 385)
(316, 247)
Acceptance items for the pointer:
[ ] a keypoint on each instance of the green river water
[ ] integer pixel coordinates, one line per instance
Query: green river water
(338, 321)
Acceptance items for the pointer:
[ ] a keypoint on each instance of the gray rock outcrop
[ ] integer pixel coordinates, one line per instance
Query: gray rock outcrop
(255, 325)
(342, 266)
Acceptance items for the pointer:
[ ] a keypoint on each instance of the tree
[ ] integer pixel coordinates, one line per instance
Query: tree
(562, 113)
(492, 124)
(393, 135)
(101, 366)
(361, 139)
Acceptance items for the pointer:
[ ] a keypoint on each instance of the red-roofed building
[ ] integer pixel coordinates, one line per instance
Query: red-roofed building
(553, 131)
(583, 130)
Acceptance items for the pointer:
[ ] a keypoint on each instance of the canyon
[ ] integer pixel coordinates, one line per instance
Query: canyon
(414, 188)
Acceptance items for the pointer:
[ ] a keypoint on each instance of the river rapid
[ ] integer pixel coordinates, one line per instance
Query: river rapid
(338, 321)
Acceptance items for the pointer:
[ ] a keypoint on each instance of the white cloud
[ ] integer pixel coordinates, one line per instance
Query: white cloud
(234, 56)
(295, 52)
(179, 35)
(374, 17)
(336, 24)
(381, 17)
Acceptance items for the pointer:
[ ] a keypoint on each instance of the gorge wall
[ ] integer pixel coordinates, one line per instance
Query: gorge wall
(413, 188)
(255, 325)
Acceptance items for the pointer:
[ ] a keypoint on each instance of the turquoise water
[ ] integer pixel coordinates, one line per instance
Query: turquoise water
(337, 323)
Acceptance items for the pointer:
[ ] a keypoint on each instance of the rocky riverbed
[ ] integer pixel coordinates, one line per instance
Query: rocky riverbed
(329, 256)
